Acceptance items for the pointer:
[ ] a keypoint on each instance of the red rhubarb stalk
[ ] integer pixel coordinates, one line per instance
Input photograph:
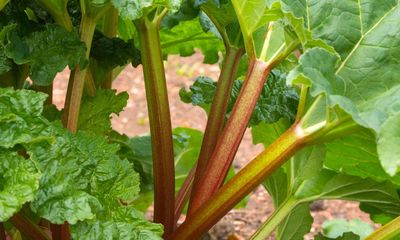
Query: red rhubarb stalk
(242, 184)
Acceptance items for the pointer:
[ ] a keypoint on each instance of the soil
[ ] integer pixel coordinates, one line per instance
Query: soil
(181, 72)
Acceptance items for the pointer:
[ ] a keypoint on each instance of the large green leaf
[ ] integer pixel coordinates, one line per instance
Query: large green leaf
(19, 182)
(342, 24)
(188, 36)
(365, 82)
(95, 113)
(83, 181)
(48, 52)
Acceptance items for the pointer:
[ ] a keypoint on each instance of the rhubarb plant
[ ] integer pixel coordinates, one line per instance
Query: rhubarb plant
(316, 81)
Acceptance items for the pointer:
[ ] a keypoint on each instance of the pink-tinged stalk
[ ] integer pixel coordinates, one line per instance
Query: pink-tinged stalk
(28, 228)
(215, 124)
(241, 184)
(229, 141)
(77, 79)
(160, 123)
(216, 119)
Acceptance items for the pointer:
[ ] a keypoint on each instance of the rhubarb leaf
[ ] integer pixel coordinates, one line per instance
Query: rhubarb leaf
(188, 36)
(276, 101)
(48, 52)
(77, 172)
(357, 155)
(352, 82)
(19, 183)
(95, 113)
(124, 225)
(20, 117)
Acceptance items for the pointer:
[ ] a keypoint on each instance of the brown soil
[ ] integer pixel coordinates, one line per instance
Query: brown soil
(181, 72)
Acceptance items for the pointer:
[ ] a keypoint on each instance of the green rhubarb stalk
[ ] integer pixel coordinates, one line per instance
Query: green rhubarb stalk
(28, 228)
(242, 184)
(160, 122)
(274, 220)
(389, 231)
(215, 122)
(77, 79)
(110, 30)
(232, 135)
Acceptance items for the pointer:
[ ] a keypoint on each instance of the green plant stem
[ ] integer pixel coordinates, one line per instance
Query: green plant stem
(2, 232)
(77, 79)
(242, 184)
(274, 220)
(160, 122)
(215, 122)
(231, 136)
(110, 30)
(390, 231)
(28, 228)
(302, 102)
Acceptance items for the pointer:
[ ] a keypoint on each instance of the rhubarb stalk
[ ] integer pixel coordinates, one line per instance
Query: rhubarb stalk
(242, 184)
(232, 135)
(160, 122)
(215, 123)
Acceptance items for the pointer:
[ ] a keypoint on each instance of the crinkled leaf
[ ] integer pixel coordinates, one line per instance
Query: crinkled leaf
(78, 171)
(125, 224)
(188, 36)
(276, 101)
(187, 11)
(20, 120)
(48, 52)
(112, 52)
(83, 180)
(19, 182)
(95, 113)
(133, 9)
(337, 227)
